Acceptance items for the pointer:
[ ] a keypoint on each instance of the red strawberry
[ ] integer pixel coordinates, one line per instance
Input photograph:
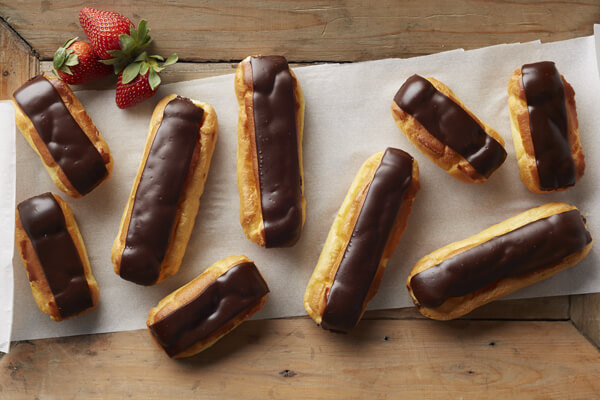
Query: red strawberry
(140, 79)
(134, 92)
(103, 28)
(76, 63)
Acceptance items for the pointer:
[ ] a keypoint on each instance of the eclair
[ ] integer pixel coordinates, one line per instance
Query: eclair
(520, 251)
(544, 128)
(445, 130)
(197, 315)
(361, 240)
(269, 152)
(61, 132)
(54, 256)
(164, 200)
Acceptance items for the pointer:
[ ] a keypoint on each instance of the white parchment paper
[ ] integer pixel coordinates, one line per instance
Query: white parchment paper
(348, 118)
(7, 216)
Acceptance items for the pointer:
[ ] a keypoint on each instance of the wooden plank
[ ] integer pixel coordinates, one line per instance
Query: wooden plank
(585, 313)
(314, 30)
(17, 61)
(294, 359)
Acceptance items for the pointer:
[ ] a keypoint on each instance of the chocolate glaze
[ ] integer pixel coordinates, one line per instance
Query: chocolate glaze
(531, 247)
(450, 124)
(159, 191)
(44, 222)
(277, 147)
(363, 253)
(66, 141)
(233, 293)
(549, 125)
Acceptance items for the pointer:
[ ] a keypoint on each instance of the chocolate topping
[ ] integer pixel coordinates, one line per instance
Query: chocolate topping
(531, 247)
(232, 294)
(450, 124)
(44, 222)
(66, 141)
(277, 147)
(159, 191)
(363, 253)
(549, 125)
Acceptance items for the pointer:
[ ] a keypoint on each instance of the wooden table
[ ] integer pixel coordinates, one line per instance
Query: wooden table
(540, 348)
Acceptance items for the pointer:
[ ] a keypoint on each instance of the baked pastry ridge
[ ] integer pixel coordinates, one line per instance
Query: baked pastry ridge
(61, 135)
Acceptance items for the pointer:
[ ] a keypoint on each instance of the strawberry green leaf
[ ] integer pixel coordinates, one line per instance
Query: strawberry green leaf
(146, 43)
(157, 57)
(144, 69)
(171, 60)
(72, 60)
(131, 72)
(115, 53)
(110, 61)
(153, 79)
(70, 42)
(59, 58)
(141, 57)
(143, 29)
(127, 43)
(119, 67)
(133, 33)
(66, 69)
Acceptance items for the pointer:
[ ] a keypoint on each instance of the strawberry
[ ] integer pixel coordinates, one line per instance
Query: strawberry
(103, 28)
(130, 47)
(140, 79)
(134, 92)
(76, 63)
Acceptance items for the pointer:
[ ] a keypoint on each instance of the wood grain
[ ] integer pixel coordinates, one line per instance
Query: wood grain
(585, 313)
(314, 30)
(294, 359)
(17, 61)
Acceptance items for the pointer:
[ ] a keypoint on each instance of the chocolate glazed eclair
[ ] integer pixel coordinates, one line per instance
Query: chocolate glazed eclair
(269, 153)
(197, 315)
(544, 126)
(361, 240)
(61, 132)
(446, 131)
(522, 250)
(54, 256)
(164, 200)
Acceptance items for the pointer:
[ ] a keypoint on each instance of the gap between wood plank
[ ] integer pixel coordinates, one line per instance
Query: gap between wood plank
(18, 36)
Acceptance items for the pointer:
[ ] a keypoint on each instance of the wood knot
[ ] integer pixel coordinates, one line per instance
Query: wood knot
(287, 373)
(386, 338)
(5, 73)
(492, 344)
